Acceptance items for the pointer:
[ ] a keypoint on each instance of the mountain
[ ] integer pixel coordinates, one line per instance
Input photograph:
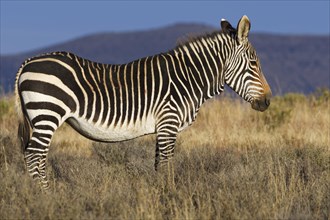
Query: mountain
(290, 63)
(294, 63)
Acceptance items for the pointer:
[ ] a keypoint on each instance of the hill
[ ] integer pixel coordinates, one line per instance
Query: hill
(290, 63)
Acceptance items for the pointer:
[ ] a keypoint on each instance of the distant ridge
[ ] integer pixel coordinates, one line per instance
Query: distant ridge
(290, 63)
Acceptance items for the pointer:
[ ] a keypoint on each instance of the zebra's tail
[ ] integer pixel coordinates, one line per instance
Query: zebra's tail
(24, 133)
(23, 123)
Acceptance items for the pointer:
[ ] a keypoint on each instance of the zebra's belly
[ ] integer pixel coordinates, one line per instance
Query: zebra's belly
(113, 133)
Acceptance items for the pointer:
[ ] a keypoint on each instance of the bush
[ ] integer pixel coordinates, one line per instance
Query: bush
(4, 108)
(320, 96)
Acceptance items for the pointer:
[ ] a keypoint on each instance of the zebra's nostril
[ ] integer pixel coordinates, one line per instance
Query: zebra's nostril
(267, 101)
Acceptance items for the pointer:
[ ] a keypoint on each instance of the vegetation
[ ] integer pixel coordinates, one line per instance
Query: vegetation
(233, 163)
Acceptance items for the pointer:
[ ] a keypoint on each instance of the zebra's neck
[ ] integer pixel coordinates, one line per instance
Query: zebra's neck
(204, 59)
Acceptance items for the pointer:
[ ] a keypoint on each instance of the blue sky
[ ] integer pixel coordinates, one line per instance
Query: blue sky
(28, 25)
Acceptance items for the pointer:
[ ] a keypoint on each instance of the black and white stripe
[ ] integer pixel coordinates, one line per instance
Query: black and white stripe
(158, 94)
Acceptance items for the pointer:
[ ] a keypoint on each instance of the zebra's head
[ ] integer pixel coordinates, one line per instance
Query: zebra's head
(242, 70)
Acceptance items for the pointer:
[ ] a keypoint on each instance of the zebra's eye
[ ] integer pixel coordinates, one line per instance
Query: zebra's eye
(253, 62)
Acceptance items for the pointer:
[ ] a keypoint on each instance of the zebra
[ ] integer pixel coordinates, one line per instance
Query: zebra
(158, 94)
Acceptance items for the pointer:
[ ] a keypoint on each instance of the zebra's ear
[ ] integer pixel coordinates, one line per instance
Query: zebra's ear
(227, 28)
(243, 29)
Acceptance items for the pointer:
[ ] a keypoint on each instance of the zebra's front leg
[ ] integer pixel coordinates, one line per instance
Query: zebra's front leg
(166, 138)
(36, 156)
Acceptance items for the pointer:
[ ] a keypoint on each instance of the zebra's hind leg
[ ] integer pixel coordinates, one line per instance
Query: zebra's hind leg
(36, 155)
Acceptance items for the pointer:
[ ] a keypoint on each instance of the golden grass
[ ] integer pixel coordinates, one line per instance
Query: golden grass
(232, 163)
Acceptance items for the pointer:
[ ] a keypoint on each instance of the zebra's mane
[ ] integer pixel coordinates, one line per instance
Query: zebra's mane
(182, 41)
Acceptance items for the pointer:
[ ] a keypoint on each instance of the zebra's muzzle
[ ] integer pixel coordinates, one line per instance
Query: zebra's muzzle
(260, 104)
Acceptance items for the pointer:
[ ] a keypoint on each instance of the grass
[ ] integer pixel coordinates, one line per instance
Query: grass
(233, 163)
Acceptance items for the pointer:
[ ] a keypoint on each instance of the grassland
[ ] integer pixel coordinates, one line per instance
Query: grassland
(233, 163)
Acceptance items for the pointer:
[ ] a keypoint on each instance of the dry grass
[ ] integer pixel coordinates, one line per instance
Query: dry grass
(233, 163)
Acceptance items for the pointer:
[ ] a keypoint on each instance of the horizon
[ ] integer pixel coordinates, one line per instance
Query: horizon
(32, 25)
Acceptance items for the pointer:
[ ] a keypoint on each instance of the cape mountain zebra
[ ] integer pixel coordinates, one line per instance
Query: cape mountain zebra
(158, 94)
